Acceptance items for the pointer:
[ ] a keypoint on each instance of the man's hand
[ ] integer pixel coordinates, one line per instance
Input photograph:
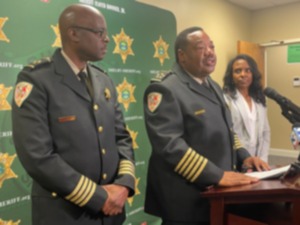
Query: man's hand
(255, 163)
(115, 202)
(230, 179)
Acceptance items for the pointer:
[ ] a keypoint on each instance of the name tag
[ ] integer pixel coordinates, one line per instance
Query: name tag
(64, 119)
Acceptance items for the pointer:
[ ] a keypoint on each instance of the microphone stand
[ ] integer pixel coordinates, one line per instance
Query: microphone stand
(292, 176)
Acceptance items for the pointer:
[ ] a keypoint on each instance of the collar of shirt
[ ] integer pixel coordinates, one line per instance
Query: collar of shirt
(199, 80)
(72, 65)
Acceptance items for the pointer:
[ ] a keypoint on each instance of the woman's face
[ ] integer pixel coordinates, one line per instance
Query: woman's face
(242, 75)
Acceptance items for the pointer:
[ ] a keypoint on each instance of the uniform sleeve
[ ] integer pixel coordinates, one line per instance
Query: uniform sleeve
(126, 171)
(35, 148)
(164, 123)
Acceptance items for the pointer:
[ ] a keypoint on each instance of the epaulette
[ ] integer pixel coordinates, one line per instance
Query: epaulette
(161, 76)
(38, 63)
(98, 68)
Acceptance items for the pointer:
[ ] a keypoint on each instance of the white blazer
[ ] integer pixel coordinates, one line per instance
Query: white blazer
(238, 113)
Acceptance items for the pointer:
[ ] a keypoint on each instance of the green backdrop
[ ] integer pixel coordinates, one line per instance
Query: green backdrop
(141, 45)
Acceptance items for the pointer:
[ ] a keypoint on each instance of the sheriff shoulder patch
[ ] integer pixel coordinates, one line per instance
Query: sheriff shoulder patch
(154, 100)
(22, 91)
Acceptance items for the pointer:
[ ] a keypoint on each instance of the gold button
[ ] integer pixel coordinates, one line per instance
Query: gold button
(96, 107)
(103, 151)
(53, 194)
(100, 129)
(104, 176)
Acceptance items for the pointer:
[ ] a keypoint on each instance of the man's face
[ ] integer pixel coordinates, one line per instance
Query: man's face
(93, 40)
(198, 58)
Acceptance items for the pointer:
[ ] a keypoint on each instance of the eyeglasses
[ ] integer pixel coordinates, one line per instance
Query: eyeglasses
(100, 33)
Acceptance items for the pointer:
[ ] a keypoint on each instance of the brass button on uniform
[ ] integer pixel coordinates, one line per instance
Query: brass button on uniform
(96, 107)
(100, 129)
(104, 176)
(103, 151)
(54, 194)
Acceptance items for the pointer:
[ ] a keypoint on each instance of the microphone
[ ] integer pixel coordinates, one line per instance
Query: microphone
(289, 109)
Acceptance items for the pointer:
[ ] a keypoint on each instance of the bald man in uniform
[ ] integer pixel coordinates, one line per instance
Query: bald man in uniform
(69, 130)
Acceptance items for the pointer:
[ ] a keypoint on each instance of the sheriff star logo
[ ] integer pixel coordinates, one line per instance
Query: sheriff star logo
(2, 35)
(125, 93)
(161, 50)
(4, 91)
(57, 42)
(5, 170)
(133, 135)
(10, 222)
(123, 45)
(137, 191)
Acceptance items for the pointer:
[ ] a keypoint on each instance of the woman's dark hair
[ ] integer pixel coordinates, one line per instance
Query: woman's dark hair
(182, 41)
(255, 89)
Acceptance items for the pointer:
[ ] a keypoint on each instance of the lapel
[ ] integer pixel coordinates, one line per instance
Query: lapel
(69, 79)
(97, 82)
(240, 105)
(194, 86)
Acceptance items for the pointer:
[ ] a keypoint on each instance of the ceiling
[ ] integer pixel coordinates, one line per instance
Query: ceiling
(261, 4)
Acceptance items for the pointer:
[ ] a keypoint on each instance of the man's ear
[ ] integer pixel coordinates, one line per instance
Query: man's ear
(181, 55)
(73, 35)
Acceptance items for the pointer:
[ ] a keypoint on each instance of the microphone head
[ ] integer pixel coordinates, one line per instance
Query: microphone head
(295, 135)
(269, 91)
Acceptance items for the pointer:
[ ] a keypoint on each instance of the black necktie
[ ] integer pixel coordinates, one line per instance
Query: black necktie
(85, 82)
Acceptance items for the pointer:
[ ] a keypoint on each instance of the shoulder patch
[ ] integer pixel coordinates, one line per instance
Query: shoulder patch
(38, 63)
(154, 100)
(161, 76)
(22, 91)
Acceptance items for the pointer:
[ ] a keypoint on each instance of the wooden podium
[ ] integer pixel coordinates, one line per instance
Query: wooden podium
(268, 202)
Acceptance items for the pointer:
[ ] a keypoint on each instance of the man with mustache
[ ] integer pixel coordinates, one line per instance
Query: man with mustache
(190, 130)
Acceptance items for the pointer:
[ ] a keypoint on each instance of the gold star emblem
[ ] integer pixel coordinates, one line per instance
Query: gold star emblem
(125, 93)
(57, 42)
(5, 170)
(137, 191)
(133, 135)
(2, 35)
(161, 50)
(4, 105)
(10, 222)
(123, 45)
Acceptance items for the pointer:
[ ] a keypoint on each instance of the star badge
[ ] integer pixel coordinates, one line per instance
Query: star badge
(123, 45)
(57, 42)
(4, 91)
(125, 93)
(10, 222)
(5, 170)
(137, 191)
(133, 136)
(161, 50)
(2, 35)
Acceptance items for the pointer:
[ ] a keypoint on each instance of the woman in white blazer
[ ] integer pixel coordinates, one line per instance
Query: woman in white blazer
(244, 95)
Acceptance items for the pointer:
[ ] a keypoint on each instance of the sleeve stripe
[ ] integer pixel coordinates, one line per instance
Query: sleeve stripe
(77, 188)
(191, 165)
(126, 167)
(90, 194)
(186, 155)
(200, 170)
(83, 192)
(195, 169)
(237, 143)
